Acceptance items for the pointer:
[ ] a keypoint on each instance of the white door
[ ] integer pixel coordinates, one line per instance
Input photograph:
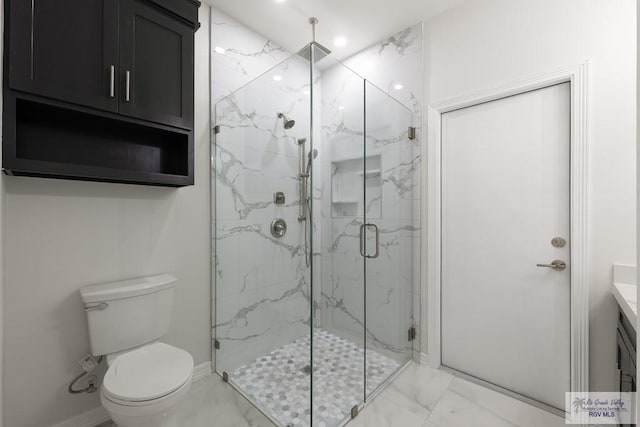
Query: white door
(505, 198)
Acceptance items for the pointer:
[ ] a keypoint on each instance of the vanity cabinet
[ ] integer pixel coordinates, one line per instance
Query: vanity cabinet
(626, 355)
(100, 90)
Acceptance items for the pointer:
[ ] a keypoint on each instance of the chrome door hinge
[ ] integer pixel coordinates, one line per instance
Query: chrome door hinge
(216, 344)
(412, 333)
(412, 132)
(216, 129)
(225, 377)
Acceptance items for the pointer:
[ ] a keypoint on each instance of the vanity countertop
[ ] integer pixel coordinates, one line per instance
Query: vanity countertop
(624, 290)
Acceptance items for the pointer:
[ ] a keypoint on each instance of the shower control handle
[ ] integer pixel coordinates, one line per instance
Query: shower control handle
(363, 243)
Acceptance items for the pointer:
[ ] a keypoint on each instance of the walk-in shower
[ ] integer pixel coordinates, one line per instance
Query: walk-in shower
(312, 320)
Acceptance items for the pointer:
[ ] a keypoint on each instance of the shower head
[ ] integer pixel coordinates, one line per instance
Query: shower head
(288, 123)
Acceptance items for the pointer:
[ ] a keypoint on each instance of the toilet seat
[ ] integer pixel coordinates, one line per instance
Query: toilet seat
(148, 374)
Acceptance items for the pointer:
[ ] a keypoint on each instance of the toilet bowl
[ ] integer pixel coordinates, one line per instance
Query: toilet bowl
(144, 387)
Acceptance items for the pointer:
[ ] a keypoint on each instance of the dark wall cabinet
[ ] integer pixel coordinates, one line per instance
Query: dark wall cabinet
(156, 59)
(64, 49)
(126, 66)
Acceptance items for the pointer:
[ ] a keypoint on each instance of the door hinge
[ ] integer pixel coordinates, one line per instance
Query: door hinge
(216, 344)
(216, 129)
(225, 377)
(411, 335)
(354, 412)
(412, 132)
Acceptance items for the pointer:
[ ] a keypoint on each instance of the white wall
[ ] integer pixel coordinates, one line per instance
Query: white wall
(482, 44)
(60, 235)
(637, 181)
(1, 242)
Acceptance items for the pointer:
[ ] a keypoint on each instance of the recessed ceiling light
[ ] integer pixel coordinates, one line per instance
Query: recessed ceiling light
(280, 1)
(220, 50)
(340, 41)
(277, 77)
(341, 107)
(398, 86)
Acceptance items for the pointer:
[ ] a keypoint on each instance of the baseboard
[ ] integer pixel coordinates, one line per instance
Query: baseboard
(99, 415)
(87, 419)
(201, 371)
(424, 358)
(428, 360)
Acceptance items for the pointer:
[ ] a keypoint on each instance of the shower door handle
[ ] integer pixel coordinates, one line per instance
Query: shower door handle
(375, 255)
(363, 242)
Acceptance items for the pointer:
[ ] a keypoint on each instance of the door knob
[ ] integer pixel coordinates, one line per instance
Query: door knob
(557, 265)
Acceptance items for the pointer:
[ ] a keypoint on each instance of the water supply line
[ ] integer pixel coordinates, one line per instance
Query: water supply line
(90, 388)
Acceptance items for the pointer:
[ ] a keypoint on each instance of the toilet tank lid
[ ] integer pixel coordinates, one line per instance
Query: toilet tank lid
(126, 288)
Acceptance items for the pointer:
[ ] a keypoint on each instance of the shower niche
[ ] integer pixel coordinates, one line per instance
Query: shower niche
(294, 330)
(348, 179)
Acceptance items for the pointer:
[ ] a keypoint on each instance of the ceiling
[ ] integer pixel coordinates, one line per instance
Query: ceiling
(361, 22)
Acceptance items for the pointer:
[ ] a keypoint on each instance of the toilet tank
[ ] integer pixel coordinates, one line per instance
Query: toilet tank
(129, 313)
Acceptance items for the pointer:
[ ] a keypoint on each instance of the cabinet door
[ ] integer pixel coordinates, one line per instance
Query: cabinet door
(156, 65)
(65, 49)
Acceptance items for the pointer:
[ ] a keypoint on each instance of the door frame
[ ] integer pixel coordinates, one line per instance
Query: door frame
(577, 76)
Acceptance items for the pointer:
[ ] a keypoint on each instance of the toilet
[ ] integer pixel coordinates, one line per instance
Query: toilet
(146, 379)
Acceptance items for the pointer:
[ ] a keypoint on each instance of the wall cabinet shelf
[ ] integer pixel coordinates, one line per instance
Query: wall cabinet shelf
(100, 90)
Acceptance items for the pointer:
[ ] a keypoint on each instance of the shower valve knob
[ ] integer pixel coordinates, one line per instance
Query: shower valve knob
(278, 227)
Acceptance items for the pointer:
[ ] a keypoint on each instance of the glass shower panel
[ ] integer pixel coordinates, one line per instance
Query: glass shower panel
(338, 334)
(262, 281)
(391, 235)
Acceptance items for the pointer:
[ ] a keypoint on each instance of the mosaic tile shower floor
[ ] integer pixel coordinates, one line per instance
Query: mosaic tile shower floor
(279, 381)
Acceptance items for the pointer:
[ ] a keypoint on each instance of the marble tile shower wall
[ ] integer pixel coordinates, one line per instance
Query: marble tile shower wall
(262, 282)
(393, 279)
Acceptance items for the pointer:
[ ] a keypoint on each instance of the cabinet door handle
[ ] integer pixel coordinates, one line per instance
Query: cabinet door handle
(127, 84)
(112, 81)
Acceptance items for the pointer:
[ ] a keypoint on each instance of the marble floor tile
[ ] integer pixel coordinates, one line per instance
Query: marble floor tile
(454, 410)
(212, 402)
(418, 397)
(383, 412)
(421, 385)
(513, 410)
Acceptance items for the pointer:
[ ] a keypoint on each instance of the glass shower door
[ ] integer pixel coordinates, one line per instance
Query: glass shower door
(391, 235)
(261, 273)
(338, 350)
